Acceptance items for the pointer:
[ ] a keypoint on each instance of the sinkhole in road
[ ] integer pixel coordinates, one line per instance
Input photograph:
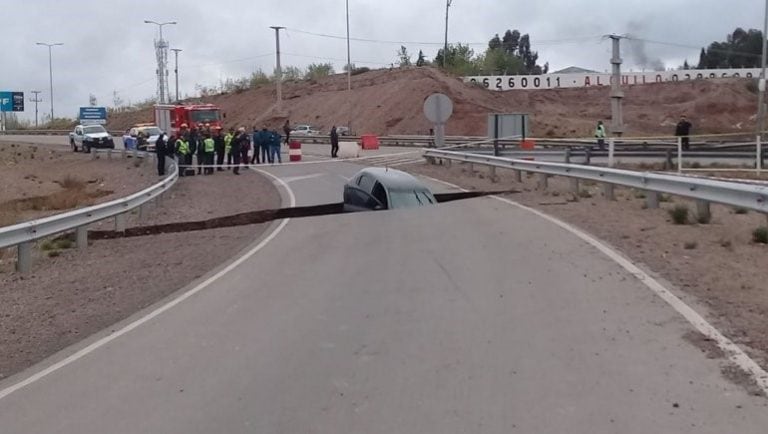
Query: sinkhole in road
(263, 216)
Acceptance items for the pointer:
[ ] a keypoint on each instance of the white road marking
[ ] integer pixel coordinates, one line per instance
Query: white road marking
(735, 354)
(301, 178)
(107, 339)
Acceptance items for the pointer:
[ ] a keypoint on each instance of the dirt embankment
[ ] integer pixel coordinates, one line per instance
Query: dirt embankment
(36, 181)
(716, 265)
(389, 102)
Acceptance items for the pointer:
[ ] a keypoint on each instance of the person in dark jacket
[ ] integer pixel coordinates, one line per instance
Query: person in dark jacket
(264, 137)
(274, 148)
(683, 129)
(162, 152)
(196, 147)
(287, 130)
(334, 142)
(239, 141)
(220, 146)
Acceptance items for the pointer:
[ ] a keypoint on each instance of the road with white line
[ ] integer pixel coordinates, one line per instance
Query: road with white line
(473, 316)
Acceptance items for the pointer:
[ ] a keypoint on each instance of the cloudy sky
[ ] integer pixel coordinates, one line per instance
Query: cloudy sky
(108, 48)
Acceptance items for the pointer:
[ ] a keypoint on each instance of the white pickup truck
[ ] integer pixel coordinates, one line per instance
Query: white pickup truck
(87, 137)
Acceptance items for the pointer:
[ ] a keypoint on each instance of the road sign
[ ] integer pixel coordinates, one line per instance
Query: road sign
(93, 115)
(11, 101)
(438, 108)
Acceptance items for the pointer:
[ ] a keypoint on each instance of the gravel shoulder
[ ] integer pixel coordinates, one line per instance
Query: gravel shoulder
(68, 297)
(715, 266)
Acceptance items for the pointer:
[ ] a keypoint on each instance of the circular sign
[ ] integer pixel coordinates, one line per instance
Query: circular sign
(438, 108)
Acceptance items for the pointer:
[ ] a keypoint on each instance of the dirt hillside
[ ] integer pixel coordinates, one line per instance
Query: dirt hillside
(389, 102)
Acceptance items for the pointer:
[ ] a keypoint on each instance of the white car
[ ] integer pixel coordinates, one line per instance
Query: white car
(305, 130)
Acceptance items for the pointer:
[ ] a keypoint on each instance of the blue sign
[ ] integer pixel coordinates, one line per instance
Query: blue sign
(96, 115)
(11, 101)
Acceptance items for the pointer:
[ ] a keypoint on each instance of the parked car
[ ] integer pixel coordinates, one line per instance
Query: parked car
(343, 131)
(87, 137)
(305, 130)
(377, 188)
(151, 132)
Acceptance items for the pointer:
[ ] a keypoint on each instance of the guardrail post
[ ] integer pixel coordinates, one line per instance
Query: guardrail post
(24, 258)
(652, 199)
(608, 191)
(542, 185)
(611, 149)
(81, 237)
(575, 186)
(120, 223)
(518, 176)
(759, 163)
(567, 155)
(587, 156)
(680, 154)
(703, 213)
(668, 161)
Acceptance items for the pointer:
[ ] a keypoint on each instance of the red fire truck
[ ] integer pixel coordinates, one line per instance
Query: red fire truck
(169, 118)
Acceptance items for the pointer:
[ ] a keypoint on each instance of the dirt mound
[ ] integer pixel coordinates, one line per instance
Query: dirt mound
(389, 102)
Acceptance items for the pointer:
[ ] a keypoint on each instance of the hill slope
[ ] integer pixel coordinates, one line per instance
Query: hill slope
(388, 102)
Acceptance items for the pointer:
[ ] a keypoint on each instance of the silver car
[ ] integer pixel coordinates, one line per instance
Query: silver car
(377, 188)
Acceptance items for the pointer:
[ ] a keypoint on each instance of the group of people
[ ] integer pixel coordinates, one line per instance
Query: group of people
(682, 130)
(212, 146)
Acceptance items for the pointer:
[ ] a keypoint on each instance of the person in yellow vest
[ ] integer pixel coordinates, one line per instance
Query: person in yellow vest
(209, 146)
(228, 146)
(600, 135)
(185, 156)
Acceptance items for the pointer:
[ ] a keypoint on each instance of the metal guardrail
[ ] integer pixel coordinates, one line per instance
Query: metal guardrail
(749, 196)
(24, 234)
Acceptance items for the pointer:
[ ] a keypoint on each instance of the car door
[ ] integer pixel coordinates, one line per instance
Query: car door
(79, 136)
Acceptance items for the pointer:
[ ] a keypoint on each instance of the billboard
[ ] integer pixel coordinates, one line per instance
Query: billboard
(560, 81)
(93, 115)
(11, 101)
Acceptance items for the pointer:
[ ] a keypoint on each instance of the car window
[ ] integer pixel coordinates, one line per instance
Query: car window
(408, 199)
(359, 198)
(95, 129)
(381, 194)
(366, 182)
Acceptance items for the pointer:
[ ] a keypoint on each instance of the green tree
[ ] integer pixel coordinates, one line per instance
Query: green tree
(741, 49)
(495, 42)
(259, 78)
(511, 41)
(317, 70)
(292, 73)
(404, 59)
(460, 60)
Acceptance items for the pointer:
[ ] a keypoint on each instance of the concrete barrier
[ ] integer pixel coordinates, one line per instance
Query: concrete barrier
(349, 150)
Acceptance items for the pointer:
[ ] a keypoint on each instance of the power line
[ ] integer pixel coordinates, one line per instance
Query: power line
(337, 59)
(440, 44)
(694, 47)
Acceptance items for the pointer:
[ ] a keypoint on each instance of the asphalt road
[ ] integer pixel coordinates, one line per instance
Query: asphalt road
(472, 316)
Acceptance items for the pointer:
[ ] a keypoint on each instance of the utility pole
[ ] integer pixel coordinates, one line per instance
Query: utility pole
(176, 70)
(617, 117)
(445, 48)
(36, 100)
(50, 68)
(349, 59)
(278, 70)
(761, 86)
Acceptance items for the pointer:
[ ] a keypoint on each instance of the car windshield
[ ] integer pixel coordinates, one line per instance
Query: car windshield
(204, 115)
(154, 131)
(93, 129)
(409, 198)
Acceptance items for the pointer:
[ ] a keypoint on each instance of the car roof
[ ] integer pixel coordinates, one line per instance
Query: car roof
(394, 179)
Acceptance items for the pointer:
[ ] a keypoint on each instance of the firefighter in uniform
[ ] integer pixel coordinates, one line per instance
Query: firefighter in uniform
(185, 155)
(220, 147)
(209, 146)
(228, 145)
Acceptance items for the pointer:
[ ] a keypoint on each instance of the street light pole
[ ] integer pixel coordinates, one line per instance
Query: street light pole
(176, 70)
(278, 70)
(761, 86)
(50, 68)
(36, 100)
(445, 49)
(161, 51)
